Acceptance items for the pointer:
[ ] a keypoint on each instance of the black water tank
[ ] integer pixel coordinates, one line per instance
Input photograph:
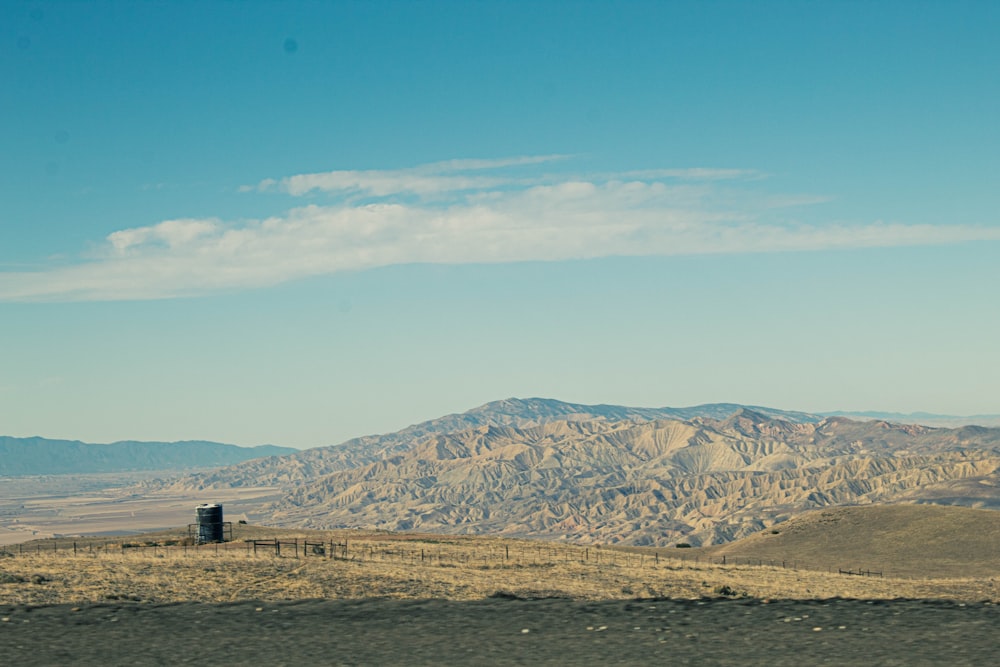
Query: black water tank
(209, 523)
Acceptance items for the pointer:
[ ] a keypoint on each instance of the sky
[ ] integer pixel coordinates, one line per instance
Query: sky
(297, 223)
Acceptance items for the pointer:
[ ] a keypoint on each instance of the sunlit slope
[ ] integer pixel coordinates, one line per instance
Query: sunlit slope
(658, 482)
(313, 463)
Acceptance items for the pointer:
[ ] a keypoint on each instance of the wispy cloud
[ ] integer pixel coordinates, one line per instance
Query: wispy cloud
(693, 174)
(430, 179)
(463, 211)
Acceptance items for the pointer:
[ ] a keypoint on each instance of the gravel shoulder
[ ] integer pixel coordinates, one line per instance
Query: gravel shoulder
(503, 631)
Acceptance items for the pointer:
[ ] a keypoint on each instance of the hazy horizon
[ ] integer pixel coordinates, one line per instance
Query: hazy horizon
(932, 419)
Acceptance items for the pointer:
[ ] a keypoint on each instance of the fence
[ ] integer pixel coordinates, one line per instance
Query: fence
(743, 560)
(444, 553)
(861, 573)
(309, 547)
(728, 559)
(432, 551)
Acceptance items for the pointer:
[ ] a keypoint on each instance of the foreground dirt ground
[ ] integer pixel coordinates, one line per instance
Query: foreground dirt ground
(500, 631)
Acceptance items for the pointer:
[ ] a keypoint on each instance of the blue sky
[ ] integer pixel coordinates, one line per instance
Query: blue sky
(302, 222)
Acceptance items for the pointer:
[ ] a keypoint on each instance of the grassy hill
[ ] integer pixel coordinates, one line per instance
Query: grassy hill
(920, 541)
(364, 564)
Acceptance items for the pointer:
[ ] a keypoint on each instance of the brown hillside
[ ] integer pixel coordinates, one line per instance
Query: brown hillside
(900, 540)
(355, 564)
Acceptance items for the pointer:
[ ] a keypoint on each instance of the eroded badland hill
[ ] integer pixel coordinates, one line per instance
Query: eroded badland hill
(608, 474)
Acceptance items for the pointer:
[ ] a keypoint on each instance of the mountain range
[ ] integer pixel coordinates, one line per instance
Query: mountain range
(42, 456)
(612, 474)
(313, 463)
(923, 418)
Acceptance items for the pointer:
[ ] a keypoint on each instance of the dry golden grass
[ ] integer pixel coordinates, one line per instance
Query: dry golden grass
(415, 566)
(905, 541)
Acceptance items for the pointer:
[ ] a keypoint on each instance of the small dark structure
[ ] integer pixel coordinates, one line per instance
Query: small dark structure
(210, 526)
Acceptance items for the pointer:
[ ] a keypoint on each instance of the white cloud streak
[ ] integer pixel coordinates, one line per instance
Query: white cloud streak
(475, 218)
(426, 180)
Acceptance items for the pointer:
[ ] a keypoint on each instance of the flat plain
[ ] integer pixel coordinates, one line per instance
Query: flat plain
(103, 504)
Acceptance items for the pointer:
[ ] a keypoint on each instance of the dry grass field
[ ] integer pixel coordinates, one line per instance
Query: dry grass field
(902, 541)
(364, 564)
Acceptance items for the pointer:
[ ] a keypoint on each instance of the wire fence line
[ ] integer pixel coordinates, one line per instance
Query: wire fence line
(786, 564)
(445, 554)
(352, 550)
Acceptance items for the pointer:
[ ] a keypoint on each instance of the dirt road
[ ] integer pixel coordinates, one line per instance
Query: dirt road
(504, 632)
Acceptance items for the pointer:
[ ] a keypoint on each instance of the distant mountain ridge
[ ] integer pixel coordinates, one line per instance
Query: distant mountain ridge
(924, 418)
(526, 411)
(43, 456)
(307, 464)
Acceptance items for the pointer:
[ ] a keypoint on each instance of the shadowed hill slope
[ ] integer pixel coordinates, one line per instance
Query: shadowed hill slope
(901, 540)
